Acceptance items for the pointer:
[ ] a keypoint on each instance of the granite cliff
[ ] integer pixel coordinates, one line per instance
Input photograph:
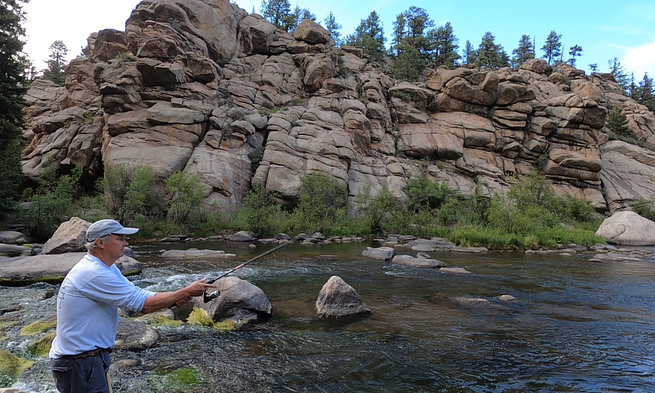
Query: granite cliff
(203, 86)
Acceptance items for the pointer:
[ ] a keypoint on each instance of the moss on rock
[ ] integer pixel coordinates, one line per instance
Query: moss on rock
(39, 327)
(11, 367)
(41, 348)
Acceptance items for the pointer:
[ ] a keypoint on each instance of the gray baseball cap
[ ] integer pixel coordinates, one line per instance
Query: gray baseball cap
(107, 227)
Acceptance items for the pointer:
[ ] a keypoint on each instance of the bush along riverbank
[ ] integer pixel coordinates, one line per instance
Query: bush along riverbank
(529, 216)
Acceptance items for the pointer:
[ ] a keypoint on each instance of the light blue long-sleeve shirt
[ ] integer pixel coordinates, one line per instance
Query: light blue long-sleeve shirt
(87, 306)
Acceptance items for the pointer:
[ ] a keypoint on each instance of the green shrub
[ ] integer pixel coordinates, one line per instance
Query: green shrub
(133, 194)
(51, 204)
(187, 196)
(377, 210)
(260, 214)
(322, 200)
(425, 194)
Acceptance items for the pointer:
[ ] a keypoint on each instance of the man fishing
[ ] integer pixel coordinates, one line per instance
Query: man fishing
(87, 310)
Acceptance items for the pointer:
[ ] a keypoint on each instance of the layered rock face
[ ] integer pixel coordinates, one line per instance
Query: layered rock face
(200, 85)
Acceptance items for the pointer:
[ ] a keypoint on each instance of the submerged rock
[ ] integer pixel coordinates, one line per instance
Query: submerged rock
(240, 301)
(418, 262)
(338, 299)
(194, 253)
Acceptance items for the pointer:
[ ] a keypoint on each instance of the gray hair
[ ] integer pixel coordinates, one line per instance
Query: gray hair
(91, 246)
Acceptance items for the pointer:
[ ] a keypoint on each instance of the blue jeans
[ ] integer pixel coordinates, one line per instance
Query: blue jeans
(86, 375)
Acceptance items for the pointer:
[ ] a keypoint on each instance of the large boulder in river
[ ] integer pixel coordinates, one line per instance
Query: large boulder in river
(69, 237)
(240, 301)
(337, 299)
(627, 228)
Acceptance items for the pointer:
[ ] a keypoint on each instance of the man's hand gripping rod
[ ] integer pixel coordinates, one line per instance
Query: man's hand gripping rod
(206, 298)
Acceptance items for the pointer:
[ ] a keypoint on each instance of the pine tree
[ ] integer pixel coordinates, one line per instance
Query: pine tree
(399, 27)
(646, 92)
(297, 16)
(278, 12)
(490, 54)
(333, 27)
(409, 63)
(552, 48)
(57, 62)
(523, 52)
(12, 89)
(617, 123)
(593, 68)
(369, 36)
(574, 51)
(470, 57)
(445, 46)
(617, 71)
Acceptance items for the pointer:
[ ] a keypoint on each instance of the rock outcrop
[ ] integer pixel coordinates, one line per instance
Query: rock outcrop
(204, 87)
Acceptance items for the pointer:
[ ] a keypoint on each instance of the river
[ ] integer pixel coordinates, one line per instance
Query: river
(574, 326)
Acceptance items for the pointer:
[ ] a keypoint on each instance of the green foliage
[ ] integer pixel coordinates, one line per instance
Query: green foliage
(552, 47)
(51, 204)
(444, 45)
(187, 195)
(133, 194)
(424, 194)
(12, 89)
(369, 36)
(574, 51)
(260, 214)
(524, 51)
(490, 54)
(645, 208)
(617, 123)
(619, 74)
(377, 210)
(322, 202)
(409, 64)
(333, 27)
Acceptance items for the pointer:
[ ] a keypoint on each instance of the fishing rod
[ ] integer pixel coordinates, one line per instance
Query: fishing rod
(206, 298)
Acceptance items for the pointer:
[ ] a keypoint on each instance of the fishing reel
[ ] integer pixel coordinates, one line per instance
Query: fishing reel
(206, 298)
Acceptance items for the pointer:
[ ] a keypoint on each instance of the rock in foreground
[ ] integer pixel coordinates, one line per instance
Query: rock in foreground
(338, 299)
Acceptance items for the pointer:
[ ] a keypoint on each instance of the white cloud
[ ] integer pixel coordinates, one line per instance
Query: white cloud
(639, 60)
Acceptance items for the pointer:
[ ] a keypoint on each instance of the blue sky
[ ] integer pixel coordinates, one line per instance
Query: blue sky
(604, 29)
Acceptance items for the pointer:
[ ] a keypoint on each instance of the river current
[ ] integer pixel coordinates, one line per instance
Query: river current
(574, 326)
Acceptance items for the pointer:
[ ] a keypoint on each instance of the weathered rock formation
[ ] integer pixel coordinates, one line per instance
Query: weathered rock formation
(200, 85)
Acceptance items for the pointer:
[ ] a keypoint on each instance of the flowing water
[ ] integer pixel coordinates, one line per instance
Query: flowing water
(575, 326)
